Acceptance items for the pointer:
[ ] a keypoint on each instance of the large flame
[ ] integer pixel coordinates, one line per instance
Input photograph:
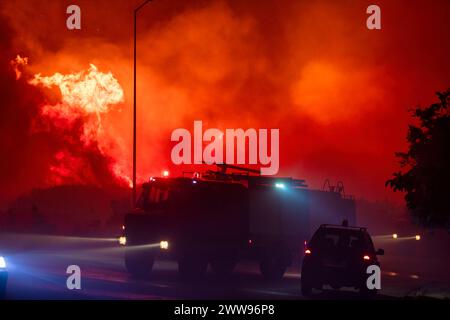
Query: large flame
(90, 91)
(85, 97)
(83, 94)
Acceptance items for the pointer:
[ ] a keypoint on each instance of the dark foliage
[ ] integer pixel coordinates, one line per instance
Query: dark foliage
(425, 167)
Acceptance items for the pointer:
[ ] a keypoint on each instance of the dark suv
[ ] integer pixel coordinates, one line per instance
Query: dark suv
(338, 256)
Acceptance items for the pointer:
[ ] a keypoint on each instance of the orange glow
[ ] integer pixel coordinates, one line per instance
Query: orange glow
(366, 257)
(165, 173)
(307, 251)
(331, 80)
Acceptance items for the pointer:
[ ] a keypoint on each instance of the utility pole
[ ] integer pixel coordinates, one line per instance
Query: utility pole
(134, 99)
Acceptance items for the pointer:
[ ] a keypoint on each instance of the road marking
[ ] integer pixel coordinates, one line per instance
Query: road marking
(277, 293)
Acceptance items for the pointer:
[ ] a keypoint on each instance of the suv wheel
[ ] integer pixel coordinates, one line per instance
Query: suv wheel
(306, 288)
(223, 266)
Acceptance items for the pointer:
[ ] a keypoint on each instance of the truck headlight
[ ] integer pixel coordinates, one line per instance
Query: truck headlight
(122, 240)
(164, 245)
(2, 263)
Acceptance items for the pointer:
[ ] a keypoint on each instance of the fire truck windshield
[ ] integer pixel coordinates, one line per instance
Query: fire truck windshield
(153, 196)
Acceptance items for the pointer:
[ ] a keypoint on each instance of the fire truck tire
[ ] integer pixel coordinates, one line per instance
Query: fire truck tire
(139, 263)
(223, 267)
(191, 267)
(272, 268)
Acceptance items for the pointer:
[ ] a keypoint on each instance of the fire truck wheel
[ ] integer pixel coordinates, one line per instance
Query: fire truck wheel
(272, 268)
(139, 263)
(192, 267)
(223, 267)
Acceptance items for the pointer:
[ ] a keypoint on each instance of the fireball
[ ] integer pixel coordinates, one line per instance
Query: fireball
(85, 97)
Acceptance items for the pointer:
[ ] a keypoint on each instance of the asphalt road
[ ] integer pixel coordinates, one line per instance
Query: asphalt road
(37, 270)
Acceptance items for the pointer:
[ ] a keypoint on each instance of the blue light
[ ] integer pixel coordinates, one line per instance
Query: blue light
(280, 185)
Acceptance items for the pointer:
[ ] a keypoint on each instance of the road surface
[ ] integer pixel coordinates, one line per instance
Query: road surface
(37, 270)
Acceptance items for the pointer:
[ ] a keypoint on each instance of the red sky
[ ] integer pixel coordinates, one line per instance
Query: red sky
(339, 93)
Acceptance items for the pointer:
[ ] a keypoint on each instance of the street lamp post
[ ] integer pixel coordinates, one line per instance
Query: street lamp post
(134, 100)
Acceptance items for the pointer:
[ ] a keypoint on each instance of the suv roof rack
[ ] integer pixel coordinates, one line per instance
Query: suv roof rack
(338, 226)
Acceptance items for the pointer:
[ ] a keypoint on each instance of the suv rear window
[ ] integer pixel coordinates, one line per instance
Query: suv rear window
(335, 239)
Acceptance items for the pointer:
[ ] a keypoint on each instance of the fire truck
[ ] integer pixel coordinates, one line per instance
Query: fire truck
(221, 217)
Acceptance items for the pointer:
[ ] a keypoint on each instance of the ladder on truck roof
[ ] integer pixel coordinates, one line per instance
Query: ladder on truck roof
(252, 176)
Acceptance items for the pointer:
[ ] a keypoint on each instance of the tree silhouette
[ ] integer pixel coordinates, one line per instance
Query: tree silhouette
(425, 168)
